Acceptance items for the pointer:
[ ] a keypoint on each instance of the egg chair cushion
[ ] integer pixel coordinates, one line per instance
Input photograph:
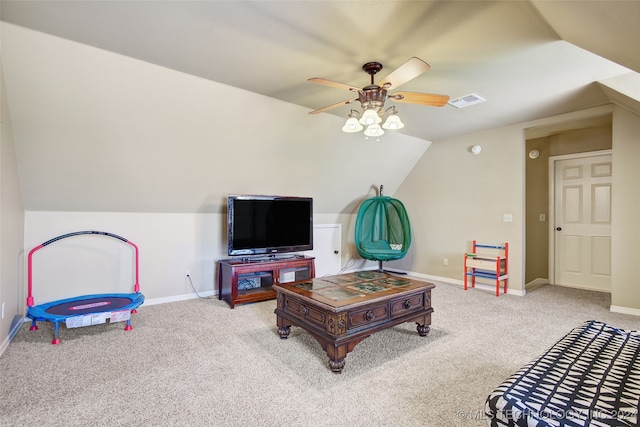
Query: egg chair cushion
(382, 230)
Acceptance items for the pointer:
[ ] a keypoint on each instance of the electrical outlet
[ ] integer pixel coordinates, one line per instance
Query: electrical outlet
(187, 274)
(445, 261)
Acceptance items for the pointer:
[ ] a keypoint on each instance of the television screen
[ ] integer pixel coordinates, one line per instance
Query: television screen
(269, 224)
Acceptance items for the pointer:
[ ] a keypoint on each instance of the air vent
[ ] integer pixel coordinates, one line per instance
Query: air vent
(467, 100)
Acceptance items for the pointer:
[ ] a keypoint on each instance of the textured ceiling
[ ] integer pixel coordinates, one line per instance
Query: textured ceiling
(167, 106)
(509, 52)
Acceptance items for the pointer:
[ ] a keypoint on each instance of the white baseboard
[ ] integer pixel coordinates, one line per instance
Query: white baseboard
(176, 298)
(456, 282)
(432, 278)
(12, 333)
(537, 282)
(624, 310)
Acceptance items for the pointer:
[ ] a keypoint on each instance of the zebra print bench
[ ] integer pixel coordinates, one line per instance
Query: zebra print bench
(590, 377)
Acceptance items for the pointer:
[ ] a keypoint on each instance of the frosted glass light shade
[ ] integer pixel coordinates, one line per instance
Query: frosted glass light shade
(352, 125)
(374, 130)
(393, 122)
(370, 117)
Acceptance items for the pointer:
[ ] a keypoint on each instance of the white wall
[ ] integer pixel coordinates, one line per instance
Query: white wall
(11, 227)
(454, 197)
(97, 131)
(625, 232)
(169, 244)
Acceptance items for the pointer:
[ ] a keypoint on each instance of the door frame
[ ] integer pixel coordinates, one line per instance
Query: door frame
(552, 203)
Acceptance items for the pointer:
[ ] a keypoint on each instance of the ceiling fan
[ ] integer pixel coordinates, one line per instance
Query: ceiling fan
(374, 95)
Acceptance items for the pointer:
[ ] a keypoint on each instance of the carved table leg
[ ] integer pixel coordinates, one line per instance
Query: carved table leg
(338, 352)
(423, 330)
(284, 326)
(283, 331)
(336, 365)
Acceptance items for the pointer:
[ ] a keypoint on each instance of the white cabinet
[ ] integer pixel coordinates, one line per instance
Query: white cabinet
(327, 245)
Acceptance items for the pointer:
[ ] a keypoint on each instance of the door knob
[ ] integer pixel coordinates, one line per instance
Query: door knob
(335, 252)
(558, 228)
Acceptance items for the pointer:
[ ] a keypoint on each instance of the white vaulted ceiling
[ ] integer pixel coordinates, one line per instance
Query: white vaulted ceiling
(169, 105)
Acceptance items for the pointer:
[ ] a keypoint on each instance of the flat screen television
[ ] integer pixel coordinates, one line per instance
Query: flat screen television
(259, 225)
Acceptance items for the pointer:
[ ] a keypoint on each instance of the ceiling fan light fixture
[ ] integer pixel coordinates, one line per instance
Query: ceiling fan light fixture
(374, 130)
(352, 125)
(393, 120)
(370, 116)
(373, 96)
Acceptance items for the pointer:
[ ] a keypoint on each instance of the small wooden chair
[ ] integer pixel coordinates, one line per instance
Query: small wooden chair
(493, 265)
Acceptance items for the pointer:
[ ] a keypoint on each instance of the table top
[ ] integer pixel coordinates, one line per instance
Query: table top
(353, 288)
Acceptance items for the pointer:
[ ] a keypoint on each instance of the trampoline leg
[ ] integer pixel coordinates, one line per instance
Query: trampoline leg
(56, 340)
(129, 327)
(33, 327)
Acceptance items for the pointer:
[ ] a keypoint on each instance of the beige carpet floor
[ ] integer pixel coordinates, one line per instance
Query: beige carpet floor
(199, 363)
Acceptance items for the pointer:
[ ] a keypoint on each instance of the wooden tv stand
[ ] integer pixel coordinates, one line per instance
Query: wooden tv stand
(243, 280)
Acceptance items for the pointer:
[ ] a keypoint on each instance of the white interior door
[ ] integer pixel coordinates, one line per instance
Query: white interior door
(327, 241)
(582, 235)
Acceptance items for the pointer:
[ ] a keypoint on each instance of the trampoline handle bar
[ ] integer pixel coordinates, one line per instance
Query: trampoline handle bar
(77, 233)
(29, 276)
(136, 286)
(30, 301)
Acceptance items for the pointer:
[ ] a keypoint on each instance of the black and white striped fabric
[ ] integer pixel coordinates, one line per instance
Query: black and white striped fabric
(591, 377)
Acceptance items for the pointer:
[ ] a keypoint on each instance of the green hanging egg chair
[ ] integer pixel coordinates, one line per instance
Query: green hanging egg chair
(382, 230)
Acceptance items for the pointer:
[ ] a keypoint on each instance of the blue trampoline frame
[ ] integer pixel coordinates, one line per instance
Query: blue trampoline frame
(101, 302)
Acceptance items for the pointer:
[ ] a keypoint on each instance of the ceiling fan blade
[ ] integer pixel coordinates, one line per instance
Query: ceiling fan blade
(407, 71)
(320, 80)
(329, 107)
(420, 98)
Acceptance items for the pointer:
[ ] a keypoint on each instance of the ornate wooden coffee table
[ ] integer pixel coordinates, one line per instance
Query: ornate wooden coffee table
(341, 311)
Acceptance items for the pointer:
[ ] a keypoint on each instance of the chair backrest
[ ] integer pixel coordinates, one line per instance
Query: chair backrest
(382, 230)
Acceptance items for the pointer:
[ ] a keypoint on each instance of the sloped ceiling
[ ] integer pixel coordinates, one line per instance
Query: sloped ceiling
(605, 28)
(168, 106)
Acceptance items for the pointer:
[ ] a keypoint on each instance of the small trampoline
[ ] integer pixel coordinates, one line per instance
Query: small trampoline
(84, 310)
